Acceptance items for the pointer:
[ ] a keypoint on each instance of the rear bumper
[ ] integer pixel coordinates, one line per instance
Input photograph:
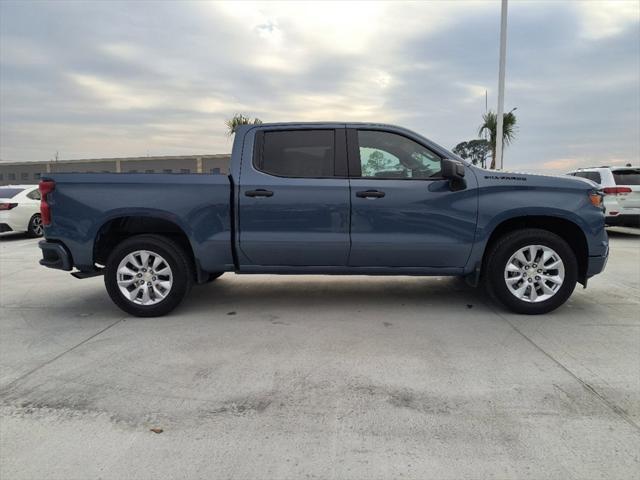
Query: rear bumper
(624, 220)
(5, 227)
(55, 255)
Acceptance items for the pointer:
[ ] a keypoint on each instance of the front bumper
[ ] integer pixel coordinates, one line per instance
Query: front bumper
(55, 255)
(597, 264)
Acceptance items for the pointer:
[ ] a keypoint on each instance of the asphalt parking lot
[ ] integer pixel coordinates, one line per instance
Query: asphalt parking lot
(318, 377)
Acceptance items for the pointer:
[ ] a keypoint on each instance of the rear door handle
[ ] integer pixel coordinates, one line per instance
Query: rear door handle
(370, 194)
(261, 192)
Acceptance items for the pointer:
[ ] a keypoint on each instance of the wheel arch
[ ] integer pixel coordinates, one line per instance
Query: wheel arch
(566, 229)
(119, 228)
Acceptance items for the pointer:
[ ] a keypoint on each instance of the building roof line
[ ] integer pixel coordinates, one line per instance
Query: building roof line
(124, 159)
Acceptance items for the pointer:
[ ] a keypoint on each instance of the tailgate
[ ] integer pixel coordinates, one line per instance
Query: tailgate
(628, 178)
(632, 199)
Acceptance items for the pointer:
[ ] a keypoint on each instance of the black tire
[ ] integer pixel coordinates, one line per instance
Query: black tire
(179, 262)
(35, 228)
(212, 276)
(501, 251)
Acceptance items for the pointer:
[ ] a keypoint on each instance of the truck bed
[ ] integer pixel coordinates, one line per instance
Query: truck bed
(86, 204)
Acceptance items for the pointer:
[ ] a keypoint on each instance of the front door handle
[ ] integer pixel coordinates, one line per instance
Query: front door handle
(370, 194)
(261, 192)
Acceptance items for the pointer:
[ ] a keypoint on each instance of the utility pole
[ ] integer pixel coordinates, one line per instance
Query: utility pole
(503, 59)
(483, 164)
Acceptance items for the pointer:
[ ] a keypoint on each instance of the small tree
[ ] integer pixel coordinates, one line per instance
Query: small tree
(475, 151)
(239, 119)
(490, 125)
(374, 163)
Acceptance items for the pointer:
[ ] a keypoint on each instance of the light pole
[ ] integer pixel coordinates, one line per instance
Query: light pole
(503, 55)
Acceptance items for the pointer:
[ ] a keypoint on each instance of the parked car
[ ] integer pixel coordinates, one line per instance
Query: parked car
(20, 210)
(621, 186)
(326, 198)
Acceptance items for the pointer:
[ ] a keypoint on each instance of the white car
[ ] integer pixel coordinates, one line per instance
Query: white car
(621, 186)
(20, 210)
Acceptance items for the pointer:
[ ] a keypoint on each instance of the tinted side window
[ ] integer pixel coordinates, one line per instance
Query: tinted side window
(298, 153)
(34, 195)
(594, 176)
(388, 155)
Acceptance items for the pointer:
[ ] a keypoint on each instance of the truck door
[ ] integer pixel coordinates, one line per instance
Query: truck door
(294, 198)
(404, 214)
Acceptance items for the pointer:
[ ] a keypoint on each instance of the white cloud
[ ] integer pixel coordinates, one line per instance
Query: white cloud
(606, 18)
(561, 164)
(93, 79)
(19, 52)
(115, 95)
(474, 93)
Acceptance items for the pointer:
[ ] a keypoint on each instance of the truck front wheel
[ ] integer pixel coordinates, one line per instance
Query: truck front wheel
(531, 271)
(148, 275)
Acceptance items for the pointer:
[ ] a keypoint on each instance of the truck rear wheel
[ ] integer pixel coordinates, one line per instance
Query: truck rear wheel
(531, 271)
(148, 275)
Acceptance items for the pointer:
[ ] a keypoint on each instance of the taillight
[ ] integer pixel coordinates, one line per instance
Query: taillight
(616, 190)
(45, 187)
(596, 199)
(8, 206)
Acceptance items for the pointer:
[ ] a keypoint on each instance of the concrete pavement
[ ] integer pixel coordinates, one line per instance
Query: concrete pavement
(317, 377)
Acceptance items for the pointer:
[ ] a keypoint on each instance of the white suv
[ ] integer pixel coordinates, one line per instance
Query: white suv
(621, 186)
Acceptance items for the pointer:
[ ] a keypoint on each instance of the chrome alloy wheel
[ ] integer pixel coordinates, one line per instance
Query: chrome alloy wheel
(534, 273)
(144, 277)
(36, 225)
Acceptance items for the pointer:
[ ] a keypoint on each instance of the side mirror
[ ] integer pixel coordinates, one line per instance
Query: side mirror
(453, 171)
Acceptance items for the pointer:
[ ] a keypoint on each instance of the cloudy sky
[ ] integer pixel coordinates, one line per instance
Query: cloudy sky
(102, 79)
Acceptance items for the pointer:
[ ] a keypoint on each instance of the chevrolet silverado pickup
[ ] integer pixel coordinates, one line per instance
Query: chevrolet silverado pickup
(326, 198)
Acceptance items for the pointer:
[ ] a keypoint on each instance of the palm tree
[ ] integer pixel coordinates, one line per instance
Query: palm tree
(239, 119)
(489, 124)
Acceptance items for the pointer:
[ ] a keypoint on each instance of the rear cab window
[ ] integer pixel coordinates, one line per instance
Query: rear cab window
(296, 153)
(626, 177)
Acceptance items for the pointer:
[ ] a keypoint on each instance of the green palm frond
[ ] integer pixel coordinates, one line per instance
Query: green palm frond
(490, 126)
(239, 119)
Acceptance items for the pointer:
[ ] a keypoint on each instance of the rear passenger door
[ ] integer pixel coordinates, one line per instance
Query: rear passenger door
(294, 198)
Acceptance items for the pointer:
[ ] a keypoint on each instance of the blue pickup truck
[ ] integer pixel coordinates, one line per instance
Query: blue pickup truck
(326, 198)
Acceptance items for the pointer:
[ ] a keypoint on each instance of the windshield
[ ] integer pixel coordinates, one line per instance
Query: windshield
(627, 177)
(9, 192)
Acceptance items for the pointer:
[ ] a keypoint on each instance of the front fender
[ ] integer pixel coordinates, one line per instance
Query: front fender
(499, 204)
